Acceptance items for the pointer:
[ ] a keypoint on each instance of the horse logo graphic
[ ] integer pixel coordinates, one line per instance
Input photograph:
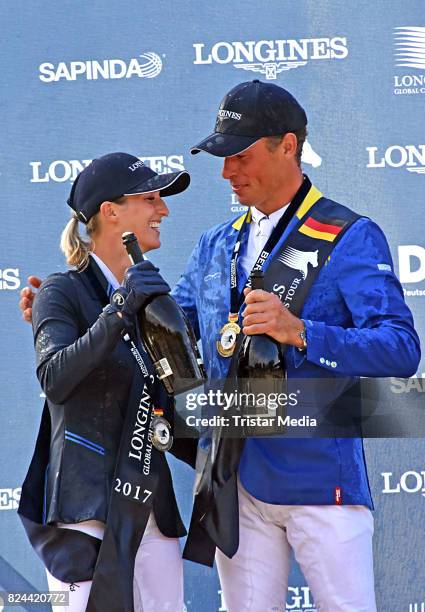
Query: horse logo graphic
(309, 156)
(299, 260)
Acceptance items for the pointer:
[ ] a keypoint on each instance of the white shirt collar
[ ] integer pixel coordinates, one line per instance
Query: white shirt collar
(106, 272)
(274, 216)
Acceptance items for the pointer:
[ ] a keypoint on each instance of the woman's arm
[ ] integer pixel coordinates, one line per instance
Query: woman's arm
(63, 357)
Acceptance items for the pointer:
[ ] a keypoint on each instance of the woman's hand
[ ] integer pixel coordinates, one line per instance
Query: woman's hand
(141, 282)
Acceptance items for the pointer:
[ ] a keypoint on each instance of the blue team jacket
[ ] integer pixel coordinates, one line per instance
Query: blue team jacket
(357, 325)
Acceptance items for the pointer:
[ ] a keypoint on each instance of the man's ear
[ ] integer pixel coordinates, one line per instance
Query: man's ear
(289, 145)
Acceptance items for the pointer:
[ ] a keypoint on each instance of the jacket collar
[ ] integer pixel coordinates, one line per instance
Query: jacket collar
(86, 278)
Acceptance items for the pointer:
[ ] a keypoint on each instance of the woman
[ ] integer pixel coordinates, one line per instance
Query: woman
(94, 473)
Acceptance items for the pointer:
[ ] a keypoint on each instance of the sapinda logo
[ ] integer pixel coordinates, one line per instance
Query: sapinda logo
(147, 65)
(409, 482)
(410, 157)
(61, 171)
(271, 57)
(9, 498)
(9, 279)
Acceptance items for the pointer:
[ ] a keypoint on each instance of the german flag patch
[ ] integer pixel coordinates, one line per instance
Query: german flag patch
(323, 231)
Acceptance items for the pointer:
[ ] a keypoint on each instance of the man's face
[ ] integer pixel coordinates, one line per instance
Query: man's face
(257, 175)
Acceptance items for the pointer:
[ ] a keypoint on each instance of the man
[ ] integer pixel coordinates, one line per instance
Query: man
(311, 495)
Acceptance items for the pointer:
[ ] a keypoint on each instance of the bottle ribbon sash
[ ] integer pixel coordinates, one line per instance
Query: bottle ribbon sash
(134, 486)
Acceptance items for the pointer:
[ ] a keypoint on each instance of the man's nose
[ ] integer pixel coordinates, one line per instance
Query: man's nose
(229, 167)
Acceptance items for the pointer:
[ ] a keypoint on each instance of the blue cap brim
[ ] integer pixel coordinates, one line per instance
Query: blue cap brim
(224, 145)
(166, 184)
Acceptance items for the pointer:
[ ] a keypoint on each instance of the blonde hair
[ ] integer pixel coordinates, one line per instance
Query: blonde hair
(74, 246)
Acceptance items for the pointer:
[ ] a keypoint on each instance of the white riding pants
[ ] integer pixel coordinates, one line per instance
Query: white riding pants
(332, 544)
(158, 572)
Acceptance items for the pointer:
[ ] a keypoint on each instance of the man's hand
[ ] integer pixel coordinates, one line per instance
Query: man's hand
(265, 314)
(27, 298)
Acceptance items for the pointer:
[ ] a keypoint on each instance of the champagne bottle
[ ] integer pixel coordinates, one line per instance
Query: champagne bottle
(261, 374)
(167, 336)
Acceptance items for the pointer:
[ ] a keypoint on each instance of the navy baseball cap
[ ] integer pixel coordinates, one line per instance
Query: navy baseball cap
(249, 112)
(119, 174)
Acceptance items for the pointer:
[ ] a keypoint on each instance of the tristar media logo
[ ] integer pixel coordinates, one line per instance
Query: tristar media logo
(61, 170)
(410, 157)
(147, 65)
(409, 59)
(271, 57)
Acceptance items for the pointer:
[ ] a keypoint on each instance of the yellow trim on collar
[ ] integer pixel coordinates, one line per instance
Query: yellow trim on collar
(239, 221)
(310, 199)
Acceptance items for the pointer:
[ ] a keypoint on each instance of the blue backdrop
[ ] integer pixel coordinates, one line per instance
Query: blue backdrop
(80, 79)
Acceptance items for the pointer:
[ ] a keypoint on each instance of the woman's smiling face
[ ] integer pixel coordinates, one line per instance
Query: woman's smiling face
(142, 214)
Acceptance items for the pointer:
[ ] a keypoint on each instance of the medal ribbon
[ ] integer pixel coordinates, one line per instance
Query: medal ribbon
(133, 489)
(236, 298)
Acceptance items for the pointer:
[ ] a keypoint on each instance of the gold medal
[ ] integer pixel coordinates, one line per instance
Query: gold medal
(228, 334)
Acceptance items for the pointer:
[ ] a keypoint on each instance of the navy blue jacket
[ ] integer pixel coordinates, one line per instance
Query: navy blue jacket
(85, 370)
